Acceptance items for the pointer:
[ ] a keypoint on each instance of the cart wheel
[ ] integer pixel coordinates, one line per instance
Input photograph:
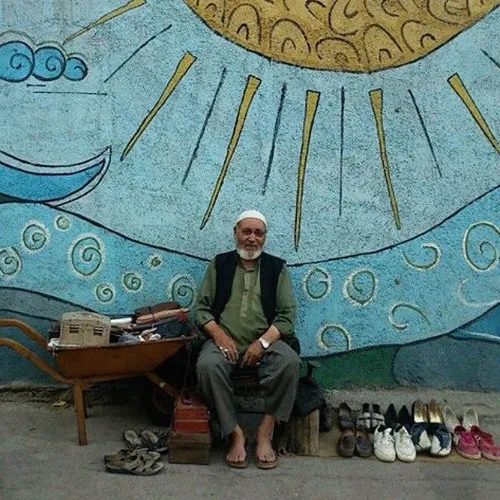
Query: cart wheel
(160, 406)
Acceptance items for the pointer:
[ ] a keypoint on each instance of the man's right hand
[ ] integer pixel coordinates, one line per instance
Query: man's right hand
(223, 341)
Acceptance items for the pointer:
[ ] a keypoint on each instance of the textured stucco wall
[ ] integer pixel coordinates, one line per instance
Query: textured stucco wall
(134, 134)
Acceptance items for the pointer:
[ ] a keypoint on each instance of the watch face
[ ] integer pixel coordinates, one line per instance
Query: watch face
(265, 343)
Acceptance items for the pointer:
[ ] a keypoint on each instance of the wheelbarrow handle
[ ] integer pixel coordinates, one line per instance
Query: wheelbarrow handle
(31, 356)
(25, 328)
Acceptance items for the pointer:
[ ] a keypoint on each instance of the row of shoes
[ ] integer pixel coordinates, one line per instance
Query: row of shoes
(142, 455)
(401, 435)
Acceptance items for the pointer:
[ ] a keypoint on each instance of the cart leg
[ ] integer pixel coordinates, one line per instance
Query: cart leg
(80, 412)
(169, 389)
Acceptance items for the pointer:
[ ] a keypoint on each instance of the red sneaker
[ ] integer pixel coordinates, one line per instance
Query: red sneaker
(465, 444)
(485, 443)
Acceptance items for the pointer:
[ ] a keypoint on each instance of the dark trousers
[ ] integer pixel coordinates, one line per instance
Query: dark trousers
(278, 375)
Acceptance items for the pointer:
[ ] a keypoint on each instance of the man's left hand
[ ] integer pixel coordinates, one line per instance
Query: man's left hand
(253, 354)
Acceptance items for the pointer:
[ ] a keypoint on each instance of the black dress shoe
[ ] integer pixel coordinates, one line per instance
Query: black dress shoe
(391, 416)
(404, 418)
(377, 418)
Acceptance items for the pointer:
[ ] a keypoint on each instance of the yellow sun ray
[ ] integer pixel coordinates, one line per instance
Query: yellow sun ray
(251, 88)
(182, 68)
(312, 100)
(458, 86)
(132, 4)
(376, 98)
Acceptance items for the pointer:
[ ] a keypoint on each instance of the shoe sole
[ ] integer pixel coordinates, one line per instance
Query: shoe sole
(470, 457)
(385, 459)
(491, 457)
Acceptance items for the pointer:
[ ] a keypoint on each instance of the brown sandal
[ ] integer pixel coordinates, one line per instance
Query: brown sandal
(243, 464)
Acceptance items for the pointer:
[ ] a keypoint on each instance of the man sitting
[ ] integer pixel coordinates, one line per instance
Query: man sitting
(246, 306)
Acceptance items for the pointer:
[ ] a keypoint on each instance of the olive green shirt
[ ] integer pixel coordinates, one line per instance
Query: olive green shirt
(243, 317)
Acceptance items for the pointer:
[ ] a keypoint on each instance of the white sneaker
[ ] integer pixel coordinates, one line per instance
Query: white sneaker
(403, 445)
(383, 444)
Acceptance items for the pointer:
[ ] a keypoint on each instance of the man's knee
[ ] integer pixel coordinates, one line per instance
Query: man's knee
(285, 360)
(293, 362)
(210, 365)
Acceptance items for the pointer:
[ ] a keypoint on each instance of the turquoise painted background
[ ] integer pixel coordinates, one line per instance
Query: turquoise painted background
(89, 223)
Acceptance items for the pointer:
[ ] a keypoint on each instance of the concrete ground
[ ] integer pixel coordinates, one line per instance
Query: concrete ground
(40, 459)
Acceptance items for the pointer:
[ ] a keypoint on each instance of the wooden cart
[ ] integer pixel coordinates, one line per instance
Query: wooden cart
(83, 366)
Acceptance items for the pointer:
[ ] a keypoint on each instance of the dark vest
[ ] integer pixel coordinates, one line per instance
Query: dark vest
(270, 268)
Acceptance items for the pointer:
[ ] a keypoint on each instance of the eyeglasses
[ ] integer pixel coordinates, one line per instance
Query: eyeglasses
(259, 233)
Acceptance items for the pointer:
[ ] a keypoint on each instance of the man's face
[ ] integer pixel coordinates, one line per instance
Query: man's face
(250, 235)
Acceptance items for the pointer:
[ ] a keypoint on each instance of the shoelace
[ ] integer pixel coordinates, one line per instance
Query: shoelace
(480, 435)
(463, 435)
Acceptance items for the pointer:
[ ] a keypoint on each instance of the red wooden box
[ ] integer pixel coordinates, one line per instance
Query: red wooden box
(190, 415)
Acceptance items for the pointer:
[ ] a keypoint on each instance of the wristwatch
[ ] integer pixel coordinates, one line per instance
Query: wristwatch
(264, 343)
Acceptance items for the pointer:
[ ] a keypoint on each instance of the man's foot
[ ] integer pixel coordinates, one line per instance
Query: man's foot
(237, 455)
(265, 456)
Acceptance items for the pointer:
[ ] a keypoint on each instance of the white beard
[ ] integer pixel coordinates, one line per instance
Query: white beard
(248, 254)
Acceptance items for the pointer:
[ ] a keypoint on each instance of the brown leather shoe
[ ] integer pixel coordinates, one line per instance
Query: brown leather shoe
(346, 417)
(347, 443)
(364, 446)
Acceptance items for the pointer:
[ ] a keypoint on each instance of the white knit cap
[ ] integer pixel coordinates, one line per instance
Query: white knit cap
(251, 214)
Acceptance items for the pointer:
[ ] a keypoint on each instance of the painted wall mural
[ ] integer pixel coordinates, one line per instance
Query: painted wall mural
(366, 131)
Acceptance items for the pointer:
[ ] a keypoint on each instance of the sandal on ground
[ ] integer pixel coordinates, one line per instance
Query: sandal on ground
(264, 464)
(243, 464)
(132, 439)
(240, 464)
(130, 455)
(155, 440)
(143, 465)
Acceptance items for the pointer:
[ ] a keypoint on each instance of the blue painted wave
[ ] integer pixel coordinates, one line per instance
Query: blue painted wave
(417, 290)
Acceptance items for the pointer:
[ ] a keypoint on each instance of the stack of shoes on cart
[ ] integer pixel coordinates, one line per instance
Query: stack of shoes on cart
(142, 457)
(159, 321)
(153, 315)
